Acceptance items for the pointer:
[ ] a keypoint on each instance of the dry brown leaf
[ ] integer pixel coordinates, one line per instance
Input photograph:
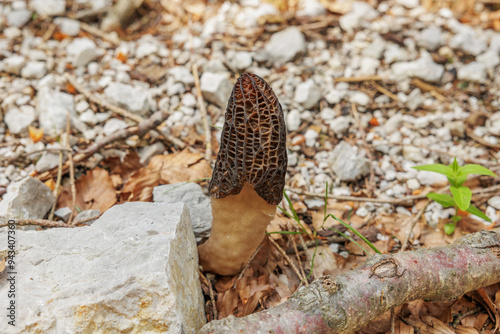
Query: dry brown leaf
(94, 190)
(466, 330)
(325, 262)
(480, 320)
(401, 328)
(435, 326)
(416, 307)
(140, 186)
(180, 167)
(492, 309)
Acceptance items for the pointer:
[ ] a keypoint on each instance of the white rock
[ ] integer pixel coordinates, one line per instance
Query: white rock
(18, 18)
(375, 49)
(90, 213)
(467, 40)
(359, 98)
(494, 202)
(145, 49)
(493, 124)
(409, 3)
(113, 125)
(334, 96)
(88, 117)
(293, 120)
(360, 14)
(147, 152)
(362, 211)
(188, 100)
(68, 26)
(18, 120)
(215, 88)
(412, 184)
(26, 199)
(430, 178)
(63, 213)
(369, 66)
(241, 60)
(310, 137)
(14, 64)
(182, 74)
(34, 70)
(134, 99)
(395, 53)
(347, 163)
(52, 107)
(424, 68)
(490, 59)
(49, 159)
(413, 153)
(12, 32)
(49, 7)
(307, 93)
(82, 50)
(310, 8)
(285, 45)
(473, 71)
(135, 270)
(415, 99)
(196, 201)
(82, 106)
(430, 38)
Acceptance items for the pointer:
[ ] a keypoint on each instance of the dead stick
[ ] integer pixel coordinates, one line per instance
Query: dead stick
(282, 252)
(203, 111)
(71, 170)
(413, 221)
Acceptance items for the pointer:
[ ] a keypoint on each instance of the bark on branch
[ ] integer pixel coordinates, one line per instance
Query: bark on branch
(347, 302)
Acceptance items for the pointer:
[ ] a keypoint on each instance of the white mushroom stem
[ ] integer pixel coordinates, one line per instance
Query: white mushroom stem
(239, 226)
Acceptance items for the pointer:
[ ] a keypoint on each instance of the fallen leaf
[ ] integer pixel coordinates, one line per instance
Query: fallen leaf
(180, 167)
(466, 330)
(35, 134)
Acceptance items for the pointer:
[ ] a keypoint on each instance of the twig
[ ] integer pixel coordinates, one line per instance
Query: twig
(203, 111)
(385, 91)
(240, 276)
(480, 140)
(359, 79)
(71, 170)
(275, 244)
(413, 221)
(464, 315)
(371, 184)
(212, 299)
(308, 258)
(313, 243)
(99, 33)
(49, 32)
(298, 259)
(39, 222)
(58, 184)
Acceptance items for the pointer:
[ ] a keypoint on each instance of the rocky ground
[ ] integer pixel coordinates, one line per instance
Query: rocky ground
(369, 90)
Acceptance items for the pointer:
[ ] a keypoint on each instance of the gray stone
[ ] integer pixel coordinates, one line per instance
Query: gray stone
(52, 107)
(49, 160)
(430, 38)
(86, 214)
(145, 49)
(49, 7)
(348, 163)
(310, 135)
(430, 178)
(490, 59)
(415, 99)
(18, 120)
(457, 128)
(394, 53)
(134, 270)
(113, 125)
(493, 124)
(310, 8)
(215, 88)
(88, 117)
(82, 50)
(241, 60)
(468, 41)
(18, 18)
(474, 71)
(340, 124)
(359, 98)
(68, 27)
(14, 64)
(188, 100)
(182, 74)
(361, 13)
(63, 213)
(494, 202)
(293, 120)
(25, 199)
(413, 153)
(285, 45)
(197, 203)
(424, 68)
(150, 151)
(307, 93)
(134, 99)
(34, 70)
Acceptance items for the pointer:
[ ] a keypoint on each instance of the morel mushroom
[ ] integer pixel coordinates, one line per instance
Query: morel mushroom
(248, 178)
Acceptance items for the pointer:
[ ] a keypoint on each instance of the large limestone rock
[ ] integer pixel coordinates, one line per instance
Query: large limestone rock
(135, 270)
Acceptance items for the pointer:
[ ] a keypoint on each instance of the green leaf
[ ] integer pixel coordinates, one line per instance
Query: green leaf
(456, 219)
(462, 196)
(460, 179)
(437, 168)
(449, 228)
(454, 166)
(475, 169)
(476, 212)
(443, 199)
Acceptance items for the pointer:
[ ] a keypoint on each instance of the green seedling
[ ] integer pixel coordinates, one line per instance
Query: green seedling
(460, 195)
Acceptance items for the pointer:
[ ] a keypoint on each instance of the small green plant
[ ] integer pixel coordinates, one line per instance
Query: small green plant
(460, 195)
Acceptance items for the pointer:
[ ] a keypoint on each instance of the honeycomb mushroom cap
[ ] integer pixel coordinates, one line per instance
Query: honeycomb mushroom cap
(253, 143)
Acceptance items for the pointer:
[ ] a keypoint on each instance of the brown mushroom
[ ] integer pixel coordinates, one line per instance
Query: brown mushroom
(248, 178)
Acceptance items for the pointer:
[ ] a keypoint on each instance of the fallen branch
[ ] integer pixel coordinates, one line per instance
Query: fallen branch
(347, 302)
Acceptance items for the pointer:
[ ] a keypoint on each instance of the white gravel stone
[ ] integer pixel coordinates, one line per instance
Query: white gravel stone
(429, 38)
(52, 107)
(415, 99)
(310, 8)
(18, 120)
(182, 74)
(241, 60)
(348, 163)
(293, 120)
(410, 4)
(413, 153)
(12, 32)
(215, 88)
(474, 71)
(412, 184)
(311, 137)
(88, 117)
(307, 93)
(394, 53)
(14, 64)
(359, 98)
(49, 7)
(430, 178)
(494, 202)
(113, 125)
(18, 18)
(424, 68)
(490, 59)
(34, 70)
(68, 26)
(134, 99)
(359, 16)
(285, 45)
(145, 49)
(188, 100)
(82, 50)
(362, 212)
(493, 124)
